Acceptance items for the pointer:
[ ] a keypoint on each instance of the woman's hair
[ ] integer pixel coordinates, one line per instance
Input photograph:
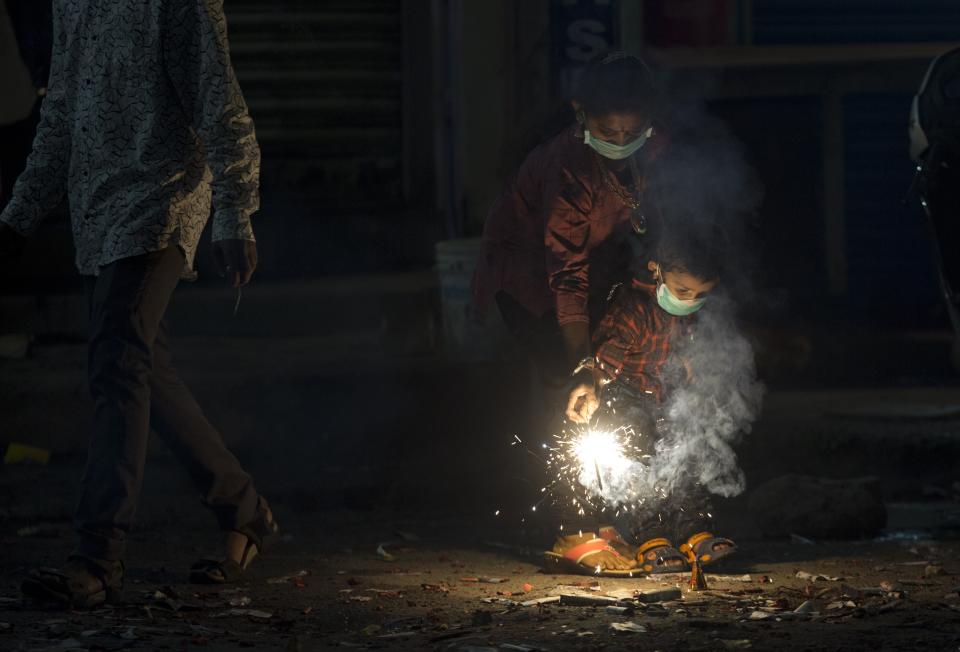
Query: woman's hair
(617, 82)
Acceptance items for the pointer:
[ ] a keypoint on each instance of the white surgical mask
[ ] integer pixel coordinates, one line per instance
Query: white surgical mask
(673, 305)
(616, 152)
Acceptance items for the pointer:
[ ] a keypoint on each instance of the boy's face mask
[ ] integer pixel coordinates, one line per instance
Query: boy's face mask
(673, 305)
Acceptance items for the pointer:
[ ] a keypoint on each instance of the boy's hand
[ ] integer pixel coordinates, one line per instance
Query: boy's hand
(582, 403)
(11, 242)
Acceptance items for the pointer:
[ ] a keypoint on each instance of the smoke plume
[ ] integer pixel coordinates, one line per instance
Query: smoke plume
(706, 415)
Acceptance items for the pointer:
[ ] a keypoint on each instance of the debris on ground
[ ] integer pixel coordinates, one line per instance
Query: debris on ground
(586, 600)
(253, 613)
(293, 578)
(660, 595)
(43, 530)
(629, 626)
(169, 600)
(18, 453)
(729, 578)
(382, 551)
(933, 570)
(550, 599)
(816, 577)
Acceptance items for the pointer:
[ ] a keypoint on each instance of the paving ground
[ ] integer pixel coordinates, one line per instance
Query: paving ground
(414, 456)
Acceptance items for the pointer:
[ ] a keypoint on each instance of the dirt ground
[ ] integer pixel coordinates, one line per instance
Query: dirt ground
(326, 586)
(411, 459)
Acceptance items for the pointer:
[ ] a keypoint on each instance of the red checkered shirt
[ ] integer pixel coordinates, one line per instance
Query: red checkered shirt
(634, 339)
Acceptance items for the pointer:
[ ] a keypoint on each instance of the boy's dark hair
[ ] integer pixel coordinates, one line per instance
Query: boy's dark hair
(693, 252)
(617, 82)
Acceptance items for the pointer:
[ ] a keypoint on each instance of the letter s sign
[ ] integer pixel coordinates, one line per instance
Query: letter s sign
(586, 38)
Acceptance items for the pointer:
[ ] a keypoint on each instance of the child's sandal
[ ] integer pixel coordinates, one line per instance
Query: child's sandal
(703, 546)
(655, 557)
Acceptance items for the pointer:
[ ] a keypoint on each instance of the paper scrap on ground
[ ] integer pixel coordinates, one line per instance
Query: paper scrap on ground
(25, 453)
(630, 626)
(803, 575)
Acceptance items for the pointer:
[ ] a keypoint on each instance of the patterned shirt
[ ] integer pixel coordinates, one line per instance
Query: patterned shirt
(635, 337)
(143, 121)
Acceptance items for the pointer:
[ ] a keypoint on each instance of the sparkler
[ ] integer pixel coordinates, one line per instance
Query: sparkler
(596, 468)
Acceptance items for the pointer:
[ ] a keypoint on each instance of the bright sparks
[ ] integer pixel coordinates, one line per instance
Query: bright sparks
(598, 452)
(597, 469)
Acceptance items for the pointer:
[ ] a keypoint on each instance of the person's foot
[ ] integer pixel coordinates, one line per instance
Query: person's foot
(81, 583)
(240, 548)
(608, 559)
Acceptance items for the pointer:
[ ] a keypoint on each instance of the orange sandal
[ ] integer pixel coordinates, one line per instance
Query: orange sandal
(704, 547)
(654, 557)
(574, 560)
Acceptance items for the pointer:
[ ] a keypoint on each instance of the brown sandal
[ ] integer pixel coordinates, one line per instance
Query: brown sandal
(261, 534)
(81, 583)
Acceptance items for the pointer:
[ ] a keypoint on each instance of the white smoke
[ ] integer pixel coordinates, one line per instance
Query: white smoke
(713, 399)
(710, 409)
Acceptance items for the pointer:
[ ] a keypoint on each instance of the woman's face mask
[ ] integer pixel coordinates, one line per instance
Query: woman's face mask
(612, 151)
(617, 135)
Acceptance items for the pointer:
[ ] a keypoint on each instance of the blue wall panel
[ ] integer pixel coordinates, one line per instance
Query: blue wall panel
(855, 21)
(888, 255)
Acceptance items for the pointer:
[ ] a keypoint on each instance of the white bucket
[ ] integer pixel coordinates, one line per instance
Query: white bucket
(464, 336)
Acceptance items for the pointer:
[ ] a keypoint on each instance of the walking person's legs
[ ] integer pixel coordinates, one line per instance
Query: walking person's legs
(127, 301)
(227, 489)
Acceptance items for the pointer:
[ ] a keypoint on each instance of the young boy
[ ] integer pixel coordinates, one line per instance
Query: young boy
(627, 381)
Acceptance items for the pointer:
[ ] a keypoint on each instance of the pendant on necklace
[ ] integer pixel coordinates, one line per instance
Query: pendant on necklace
(639, 222)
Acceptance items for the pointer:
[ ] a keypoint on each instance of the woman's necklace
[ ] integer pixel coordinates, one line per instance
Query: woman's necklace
(638, 220)
(626, 197)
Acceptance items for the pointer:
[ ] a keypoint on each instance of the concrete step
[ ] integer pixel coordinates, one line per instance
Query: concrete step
(371, 305)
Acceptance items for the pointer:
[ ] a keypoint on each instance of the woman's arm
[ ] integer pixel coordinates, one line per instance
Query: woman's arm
(566, 240)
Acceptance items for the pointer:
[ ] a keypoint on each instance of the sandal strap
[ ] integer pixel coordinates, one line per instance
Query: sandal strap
(694, 547)
(654, 543)
(259, 529)
(611, 534)
(229, 570)
(580, 552)
(699, 538)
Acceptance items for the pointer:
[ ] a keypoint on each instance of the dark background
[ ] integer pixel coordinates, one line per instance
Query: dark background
(389, 126)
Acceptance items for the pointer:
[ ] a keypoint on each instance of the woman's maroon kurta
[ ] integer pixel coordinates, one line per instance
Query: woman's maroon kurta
(554, 237)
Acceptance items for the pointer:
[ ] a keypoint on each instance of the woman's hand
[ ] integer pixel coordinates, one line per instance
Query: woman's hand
(583, 402)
